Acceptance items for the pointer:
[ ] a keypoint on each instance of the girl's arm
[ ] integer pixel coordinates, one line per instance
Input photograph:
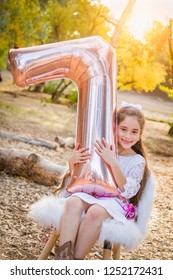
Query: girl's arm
(108, 156)
(79, 155)
(118, 175)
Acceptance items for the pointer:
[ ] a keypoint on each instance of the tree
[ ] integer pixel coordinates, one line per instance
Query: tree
(158, 44)
(22, 25)
(138, 70)
(75, 19)
(122, 21)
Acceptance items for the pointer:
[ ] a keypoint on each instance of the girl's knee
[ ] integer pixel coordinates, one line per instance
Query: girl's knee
(74, 203)
(96, 213)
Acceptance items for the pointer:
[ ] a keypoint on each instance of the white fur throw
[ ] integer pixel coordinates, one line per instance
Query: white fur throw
(48, 211)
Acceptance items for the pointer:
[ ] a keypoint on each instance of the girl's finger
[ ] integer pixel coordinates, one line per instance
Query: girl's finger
(98, 147)
(82, 150)
(97, 152)
(113, 148)
(85, 155)
(104, 142)
(83, 161)
(77, 147)
(101, 145)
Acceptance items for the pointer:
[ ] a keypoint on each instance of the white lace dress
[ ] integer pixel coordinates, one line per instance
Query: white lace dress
(133, 169)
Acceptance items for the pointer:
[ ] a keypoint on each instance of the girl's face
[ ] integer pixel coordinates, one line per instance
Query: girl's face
(129, 132)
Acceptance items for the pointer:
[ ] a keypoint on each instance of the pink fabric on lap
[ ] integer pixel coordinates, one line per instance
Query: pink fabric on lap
(94, 189)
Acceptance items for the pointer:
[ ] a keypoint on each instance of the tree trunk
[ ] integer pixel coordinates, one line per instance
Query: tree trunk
(37, 87)
(30, 165)
(170, 132)
(54, 94)
(122, 21)
(33, 141)
(58, 92)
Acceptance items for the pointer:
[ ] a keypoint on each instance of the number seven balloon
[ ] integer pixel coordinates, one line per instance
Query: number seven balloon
(90, 64)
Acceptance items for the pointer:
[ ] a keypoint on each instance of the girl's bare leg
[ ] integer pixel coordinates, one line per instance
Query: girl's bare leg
(71, 219)
(89, 230)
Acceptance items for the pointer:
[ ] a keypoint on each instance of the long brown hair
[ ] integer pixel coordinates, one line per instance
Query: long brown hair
(118, 117)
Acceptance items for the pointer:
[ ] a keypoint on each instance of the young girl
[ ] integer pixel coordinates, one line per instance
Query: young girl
(83, 214)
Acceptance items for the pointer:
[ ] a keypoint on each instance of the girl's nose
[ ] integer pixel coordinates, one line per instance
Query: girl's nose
(127, 135)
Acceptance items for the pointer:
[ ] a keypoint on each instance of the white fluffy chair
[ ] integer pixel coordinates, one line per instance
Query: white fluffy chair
(48, 211)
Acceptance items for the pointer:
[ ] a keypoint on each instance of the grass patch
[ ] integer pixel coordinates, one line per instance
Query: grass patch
(160, 121)
(162, 147)
(14, 110)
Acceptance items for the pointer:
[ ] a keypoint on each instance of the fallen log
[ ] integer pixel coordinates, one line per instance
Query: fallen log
(68, 142)
(30, 165)
(34, 141)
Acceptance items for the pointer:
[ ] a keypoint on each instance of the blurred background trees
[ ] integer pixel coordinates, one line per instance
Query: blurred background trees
(144, 66)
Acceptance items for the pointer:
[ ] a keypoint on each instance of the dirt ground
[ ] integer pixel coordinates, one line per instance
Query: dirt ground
(21, 238)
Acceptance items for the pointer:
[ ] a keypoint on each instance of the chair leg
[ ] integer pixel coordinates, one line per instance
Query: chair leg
(116, 251)
(107, 250)
(49, 245)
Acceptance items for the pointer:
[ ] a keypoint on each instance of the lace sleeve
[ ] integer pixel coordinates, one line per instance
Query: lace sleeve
(133, 180)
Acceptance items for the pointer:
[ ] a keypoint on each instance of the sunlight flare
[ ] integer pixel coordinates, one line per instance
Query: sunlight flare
(138, 27)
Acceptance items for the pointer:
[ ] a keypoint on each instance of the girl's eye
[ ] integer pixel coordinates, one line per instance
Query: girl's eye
(123, 129)
(134, 132)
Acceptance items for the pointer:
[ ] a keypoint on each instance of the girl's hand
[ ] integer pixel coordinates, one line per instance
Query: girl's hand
(106, 152)
(79, 155)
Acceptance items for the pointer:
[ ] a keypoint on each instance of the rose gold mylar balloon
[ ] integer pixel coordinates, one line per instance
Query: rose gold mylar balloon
(90, 64)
